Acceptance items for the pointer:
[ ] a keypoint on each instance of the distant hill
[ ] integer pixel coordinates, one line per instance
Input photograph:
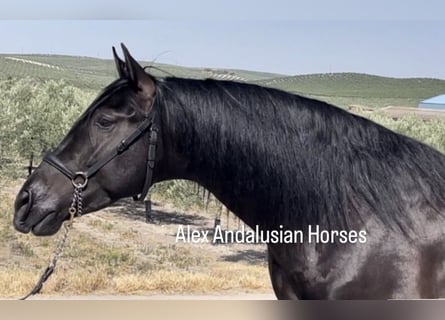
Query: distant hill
(355, 88)
(92, 73)
(342, 89)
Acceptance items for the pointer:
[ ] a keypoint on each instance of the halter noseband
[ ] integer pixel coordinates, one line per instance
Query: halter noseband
(146, 125)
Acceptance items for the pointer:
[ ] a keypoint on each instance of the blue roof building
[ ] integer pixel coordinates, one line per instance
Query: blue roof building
(433, 103)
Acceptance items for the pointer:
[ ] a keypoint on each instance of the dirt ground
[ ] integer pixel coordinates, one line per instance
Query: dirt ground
(129, 216)
(123, 225)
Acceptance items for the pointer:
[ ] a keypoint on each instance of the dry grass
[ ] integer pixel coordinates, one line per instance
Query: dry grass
(104, 256)
(224, 278)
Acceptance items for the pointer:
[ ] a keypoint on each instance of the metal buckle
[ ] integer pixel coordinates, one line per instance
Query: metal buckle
(80, 185)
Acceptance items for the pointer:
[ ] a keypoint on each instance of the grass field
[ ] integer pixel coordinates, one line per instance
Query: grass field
(344, 89)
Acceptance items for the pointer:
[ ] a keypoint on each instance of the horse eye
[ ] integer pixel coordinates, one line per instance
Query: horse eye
(104, 123)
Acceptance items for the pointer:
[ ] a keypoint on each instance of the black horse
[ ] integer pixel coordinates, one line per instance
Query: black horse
(278, 161)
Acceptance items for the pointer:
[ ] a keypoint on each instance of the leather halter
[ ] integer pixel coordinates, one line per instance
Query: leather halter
(146, 125)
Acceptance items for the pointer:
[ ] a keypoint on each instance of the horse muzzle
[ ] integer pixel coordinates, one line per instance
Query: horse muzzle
(30, 217)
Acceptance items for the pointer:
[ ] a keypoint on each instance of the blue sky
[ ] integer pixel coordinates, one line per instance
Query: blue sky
(391, 38)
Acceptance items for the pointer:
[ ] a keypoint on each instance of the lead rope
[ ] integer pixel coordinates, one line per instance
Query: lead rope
(74, 210)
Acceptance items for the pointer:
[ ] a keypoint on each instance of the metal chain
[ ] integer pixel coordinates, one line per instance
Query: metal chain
(75, 209)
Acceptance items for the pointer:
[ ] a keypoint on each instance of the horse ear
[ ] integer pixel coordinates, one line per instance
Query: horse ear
(120, 65)
(141, 80)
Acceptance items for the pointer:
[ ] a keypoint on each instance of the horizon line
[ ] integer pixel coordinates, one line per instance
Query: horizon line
(273, 74)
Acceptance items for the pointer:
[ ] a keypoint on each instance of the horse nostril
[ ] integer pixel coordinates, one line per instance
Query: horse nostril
(23, 204)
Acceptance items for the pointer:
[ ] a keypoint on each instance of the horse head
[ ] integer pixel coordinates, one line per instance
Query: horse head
(105, 153)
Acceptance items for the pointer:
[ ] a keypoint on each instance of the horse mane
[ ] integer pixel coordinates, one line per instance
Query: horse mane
(308, 161)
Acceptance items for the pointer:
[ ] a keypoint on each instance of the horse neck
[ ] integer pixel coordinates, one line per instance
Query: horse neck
(196, 148)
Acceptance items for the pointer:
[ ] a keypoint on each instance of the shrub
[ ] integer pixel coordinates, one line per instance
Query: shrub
(34, 117)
